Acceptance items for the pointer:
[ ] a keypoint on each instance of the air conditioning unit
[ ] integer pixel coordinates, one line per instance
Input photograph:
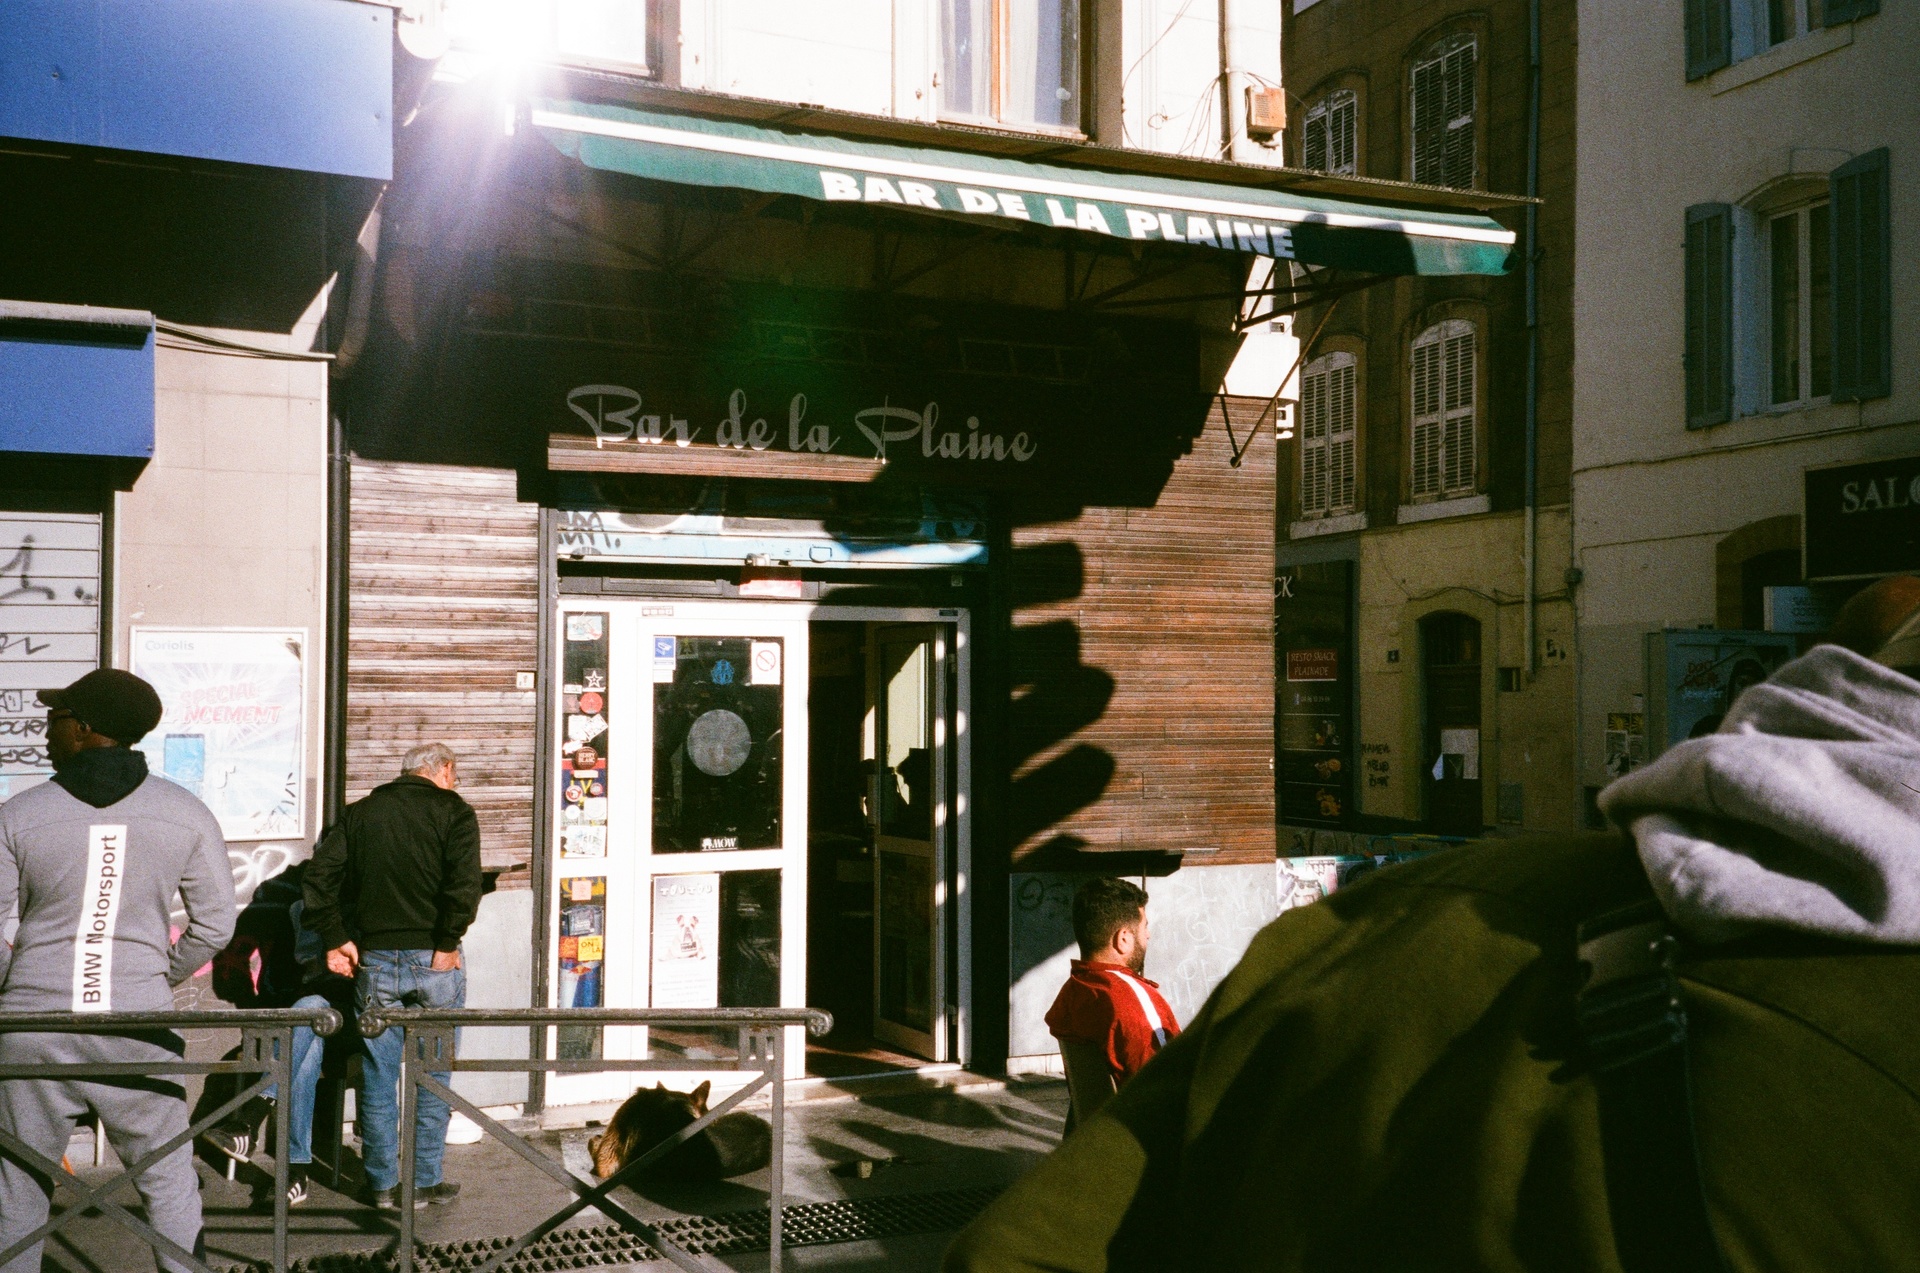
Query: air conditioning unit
(1266, 114)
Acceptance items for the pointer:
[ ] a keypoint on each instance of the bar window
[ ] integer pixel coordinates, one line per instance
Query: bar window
(1014, 62)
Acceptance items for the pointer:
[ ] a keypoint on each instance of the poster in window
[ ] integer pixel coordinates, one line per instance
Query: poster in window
(686, 941)
(584, 730)
(583, 941)
(231, 729)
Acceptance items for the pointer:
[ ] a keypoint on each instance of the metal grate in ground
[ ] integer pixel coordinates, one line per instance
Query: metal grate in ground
(608, 1245)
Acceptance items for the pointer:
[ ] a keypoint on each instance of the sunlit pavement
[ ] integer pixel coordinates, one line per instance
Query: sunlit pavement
(922, 1136)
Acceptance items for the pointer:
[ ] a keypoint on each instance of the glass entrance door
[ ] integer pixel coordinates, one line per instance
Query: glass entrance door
(910, 808)
(681, 879)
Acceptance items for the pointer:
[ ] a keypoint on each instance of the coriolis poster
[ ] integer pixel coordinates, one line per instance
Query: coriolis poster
(232, 725)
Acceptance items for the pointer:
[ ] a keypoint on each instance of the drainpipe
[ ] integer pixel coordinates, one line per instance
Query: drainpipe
(366, 263)
(1529, 555)
(1235, 56)
(339, 473)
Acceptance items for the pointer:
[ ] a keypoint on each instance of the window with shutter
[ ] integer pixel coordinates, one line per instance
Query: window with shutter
(1445, 407)
(1862, 295)
(1443, 94)
(1328, 143)
(1709, 36)
(1709, 314)
(1835, 12)
(1328, 436)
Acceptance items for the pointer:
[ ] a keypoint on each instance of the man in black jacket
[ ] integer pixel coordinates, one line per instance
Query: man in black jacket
(408, 857)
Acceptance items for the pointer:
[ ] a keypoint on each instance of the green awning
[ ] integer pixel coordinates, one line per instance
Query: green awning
(1337, 233)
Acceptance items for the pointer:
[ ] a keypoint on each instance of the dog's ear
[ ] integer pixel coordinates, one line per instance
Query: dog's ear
(659, 1087)
(699, 1095)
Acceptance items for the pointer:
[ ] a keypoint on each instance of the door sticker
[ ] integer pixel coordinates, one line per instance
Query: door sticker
(666, 658)
(765, 658)
(686, 932)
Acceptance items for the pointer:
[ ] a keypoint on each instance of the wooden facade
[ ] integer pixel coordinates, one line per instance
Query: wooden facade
(1166, 650)
(444, 592)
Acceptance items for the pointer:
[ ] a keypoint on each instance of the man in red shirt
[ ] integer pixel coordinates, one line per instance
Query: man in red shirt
(1107, 1005)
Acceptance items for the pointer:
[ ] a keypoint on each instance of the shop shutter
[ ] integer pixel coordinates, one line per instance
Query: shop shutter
(1444, 409)
(1834, 12)
(1709, 36)
(1443, 116)
(50, 567)
(1862, 295)
(1709, 316)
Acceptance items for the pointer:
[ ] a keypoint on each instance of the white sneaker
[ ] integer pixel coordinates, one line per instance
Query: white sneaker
(462, 1130)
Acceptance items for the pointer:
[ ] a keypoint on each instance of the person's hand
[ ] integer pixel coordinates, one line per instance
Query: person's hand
(446, 960)
(344, 960)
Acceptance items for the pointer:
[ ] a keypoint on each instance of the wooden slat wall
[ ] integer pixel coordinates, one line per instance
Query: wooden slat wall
(444, 598)
(1177, 609)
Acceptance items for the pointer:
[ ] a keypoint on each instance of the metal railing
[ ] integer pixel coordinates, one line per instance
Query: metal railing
(266, 1049)
(427, 1047)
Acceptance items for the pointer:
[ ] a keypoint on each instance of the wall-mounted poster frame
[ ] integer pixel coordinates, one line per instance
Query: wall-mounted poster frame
(233, 730)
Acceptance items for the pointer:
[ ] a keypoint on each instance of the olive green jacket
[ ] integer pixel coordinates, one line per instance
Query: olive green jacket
(1389, 1081)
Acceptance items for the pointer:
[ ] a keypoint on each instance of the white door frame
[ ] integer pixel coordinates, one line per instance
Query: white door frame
(633, 617)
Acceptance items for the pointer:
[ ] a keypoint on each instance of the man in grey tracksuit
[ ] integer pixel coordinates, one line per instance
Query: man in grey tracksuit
(90, 863)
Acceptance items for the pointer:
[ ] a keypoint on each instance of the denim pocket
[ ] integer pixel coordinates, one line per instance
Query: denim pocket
(443, 989)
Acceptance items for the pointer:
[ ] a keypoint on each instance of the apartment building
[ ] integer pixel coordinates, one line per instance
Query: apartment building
(1425, 625)
(1746, 409)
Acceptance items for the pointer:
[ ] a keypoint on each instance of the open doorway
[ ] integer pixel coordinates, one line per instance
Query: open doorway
(880, 856)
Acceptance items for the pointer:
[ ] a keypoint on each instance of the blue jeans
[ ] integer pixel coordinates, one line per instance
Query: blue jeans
(308, 1051)
(401, 979)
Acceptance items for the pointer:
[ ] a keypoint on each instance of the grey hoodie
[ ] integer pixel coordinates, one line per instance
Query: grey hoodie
(94, 889)
(1802, 812)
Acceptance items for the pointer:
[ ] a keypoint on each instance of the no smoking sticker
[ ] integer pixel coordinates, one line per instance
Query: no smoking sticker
(765, 659)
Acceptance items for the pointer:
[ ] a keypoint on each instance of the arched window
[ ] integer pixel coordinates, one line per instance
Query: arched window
(1442, 94)
(1327, 145)
(1327, 435)
(1445, 411)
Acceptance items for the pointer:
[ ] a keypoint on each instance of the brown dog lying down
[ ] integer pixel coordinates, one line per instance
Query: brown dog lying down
(731, 1145)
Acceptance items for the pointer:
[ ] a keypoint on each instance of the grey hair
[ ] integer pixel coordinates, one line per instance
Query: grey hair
(426, 757)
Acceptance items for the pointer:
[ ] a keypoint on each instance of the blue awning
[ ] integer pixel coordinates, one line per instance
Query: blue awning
(300, 84)
(76, 380)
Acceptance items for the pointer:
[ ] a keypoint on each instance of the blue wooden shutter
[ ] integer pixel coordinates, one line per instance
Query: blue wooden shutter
(1709, 338)
(1834, 12)
(1862, 297)
(1709, 36)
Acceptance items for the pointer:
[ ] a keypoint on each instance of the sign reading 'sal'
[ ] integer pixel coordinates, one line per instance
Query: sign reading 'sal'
(99, 914)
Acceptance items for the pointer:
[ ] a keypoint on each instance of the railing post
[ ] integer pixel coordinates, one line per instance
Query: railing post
(282, 1131)
(271, 1048)
(776, 1184)
(409, 1103)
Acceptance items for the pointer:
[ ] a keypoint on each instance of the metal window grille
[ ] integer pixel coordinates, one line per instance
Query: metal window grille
(1444, 408)
(1328, 436)
(1443, 111)
(1330, 131)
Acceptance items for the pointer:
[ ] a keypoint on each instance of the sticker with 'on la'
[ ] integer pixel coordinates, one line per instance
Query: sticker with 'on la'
(765, 659)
